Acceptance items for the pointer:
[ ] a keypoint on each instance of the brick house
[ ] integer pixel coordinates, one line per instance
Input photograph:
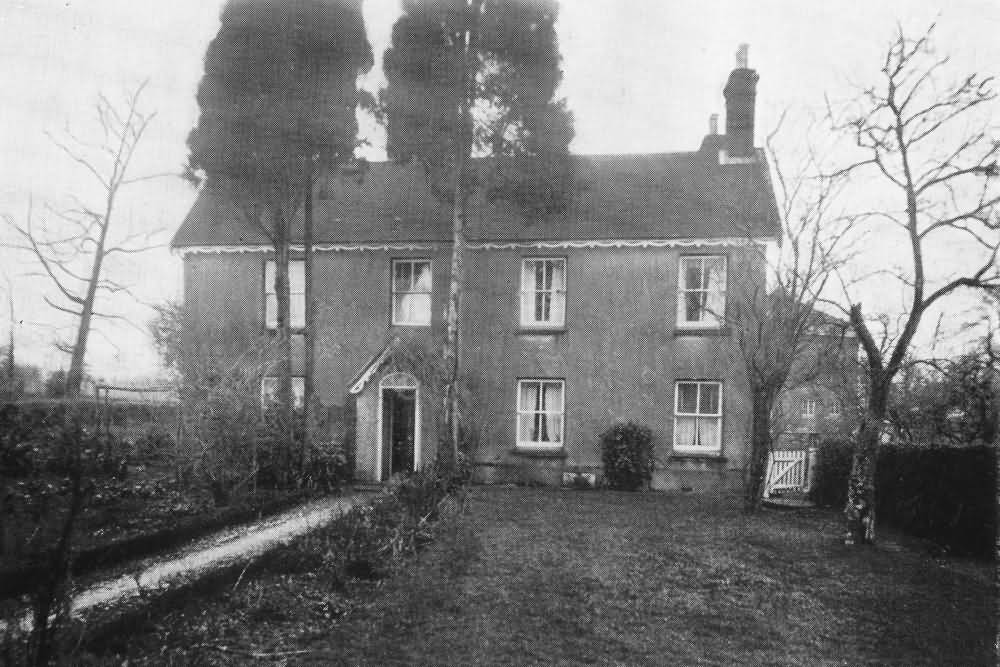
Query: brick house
(603, 312)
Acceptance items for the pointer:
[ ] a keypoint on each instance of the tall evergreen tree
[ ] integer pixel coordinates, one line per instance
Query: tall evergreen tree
(470, 95)
(278, 101)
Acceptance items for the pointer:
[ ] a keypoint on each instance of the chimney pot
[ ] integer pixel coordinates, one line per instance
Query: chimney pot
(713, 124)
(741, 94)
(742, 56)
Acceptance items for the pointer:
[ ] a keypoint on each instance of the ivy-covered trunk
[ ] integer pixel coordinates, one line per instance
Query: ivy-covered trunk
(860, 510)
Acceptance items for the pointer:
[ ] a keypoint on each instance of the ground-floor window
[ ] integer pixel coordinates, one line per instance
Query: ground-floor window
(270, 386)
(698, 416)
(540, 411)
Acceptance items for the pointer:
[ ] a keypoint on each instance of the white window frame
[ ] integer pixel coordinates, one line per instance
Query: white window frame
(561, 412)
(835, 410)
(557, 295)
(298, 390)
(425, 320)
(698, 416)
(296, 294)
(708, 320)
(808, 407)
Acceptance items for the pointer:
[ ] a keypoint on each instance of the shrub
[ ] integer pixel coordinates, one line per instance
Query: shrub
(627, 453)
(328, 468)
(829, 482)
(370, 541)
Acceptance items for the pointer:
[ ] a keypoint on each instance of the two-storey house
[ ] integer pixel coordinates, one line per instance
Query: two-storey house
(612, 309)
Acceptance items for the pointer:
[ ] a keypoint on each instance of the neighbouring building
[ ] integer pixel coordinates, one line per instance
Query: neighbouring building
(609, 310)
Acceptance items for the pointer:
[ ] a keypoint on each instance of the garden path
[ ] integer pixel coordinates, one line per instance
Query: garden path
(224, 549)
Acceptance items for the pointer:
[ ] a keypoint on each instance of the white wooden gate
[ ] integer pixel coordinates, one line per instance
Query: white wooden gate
(789, 471)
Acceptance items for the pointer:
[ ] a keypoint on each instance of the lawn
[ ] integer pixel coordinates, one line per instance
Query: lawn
(544, 576)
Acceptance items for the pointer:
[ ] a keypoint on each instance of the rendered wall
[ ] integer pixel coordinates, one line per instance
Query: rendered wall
(620, 353)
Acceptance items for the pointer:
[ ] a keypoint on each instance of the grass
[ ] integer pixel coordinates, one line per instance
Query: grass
(543, 576)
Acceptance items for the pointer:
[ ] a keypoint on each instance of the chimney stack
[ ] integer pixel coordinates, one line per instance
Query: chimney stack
(713, 124)
(741, 92)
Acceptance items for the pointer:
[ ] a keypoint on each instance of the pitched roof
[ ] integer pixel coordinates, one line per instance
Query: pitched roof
(652, 196)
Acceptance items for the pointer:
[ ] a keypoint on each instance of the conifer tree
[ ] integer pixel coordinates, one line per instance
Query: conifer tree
(471, 97)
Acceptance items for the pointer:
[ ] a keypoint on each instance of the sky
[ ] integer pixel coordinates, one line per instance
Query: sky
(640, 76)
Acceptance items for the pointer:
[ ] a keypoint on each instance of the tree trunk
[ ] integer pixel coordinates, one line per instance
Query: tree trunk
(452, 347)
(310, 330)
(74, 378)
(860, 510)
(760, 447)
(284, 341)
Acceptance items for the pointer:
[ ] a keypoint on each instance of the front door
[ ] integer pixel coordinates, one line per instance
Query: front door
(399, 420)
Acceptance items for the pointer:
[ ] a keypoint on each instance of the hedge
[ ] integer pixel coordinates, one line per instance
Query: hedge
(944, 494)
(833, 467)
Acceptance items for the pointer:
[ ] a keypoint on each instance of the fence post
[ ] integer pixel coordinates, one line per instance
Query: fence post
(768, 474)
(810, 467)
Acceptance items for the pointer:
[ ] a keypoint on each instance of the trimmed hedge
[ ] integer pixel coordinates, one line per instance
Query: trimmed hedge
(944, 494)
(833, 467)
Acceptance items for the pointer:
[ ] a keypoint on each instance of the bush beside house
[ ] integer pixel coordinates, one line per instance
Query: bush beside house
(627, 454)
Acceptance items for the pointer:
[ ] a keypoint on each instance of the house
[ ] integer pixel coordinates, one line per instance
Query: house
(609, 310)
(823, 398)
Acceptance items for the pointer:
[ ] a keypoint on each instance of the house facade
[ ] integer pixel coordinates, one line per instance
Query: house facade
(610, 310)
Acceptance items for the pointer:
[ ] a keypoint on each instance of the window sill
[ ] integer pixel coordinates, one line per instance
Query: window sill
(540, 452)
(698, 456)
(273, 331)
(542, 330)
(702, 331)
(411, 324)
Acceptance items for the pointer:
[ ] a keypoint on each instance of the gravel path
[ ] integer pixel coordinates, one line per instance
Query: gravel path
(222, 550)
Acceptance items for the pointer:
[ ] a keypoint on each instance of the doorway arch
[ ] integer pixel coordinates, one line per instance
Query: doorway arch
(398, 447)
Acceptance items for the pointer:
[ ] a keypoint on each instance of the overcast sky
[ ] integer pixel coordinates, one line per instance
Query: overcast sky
(640, 76)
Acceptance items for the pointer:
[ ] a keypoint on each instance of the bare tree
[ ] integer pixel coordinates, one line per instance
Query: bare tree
(73, 255)
(782, 340)
(926, 143)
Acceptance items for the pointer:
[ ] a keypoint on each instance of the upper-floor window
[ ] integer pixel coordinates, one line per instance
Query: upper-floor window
(835, 409)
(808, 407)
(701, 301)
(540, 409)
(698, 417)
(296, 290)
(411, 291)
(543, 292)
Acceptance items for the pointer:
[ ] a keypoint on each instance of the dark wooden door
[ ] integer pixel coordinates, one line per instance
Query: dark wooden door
(399, 420)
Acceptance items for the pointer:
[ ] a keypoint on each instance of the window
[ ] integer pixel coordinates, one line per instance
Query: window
(835, 410)
(543, 292)
(269, 391)
(701, 300)
(698, 417)
(540, 407)
(297, 294)
(808, 407)
(411, 292)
